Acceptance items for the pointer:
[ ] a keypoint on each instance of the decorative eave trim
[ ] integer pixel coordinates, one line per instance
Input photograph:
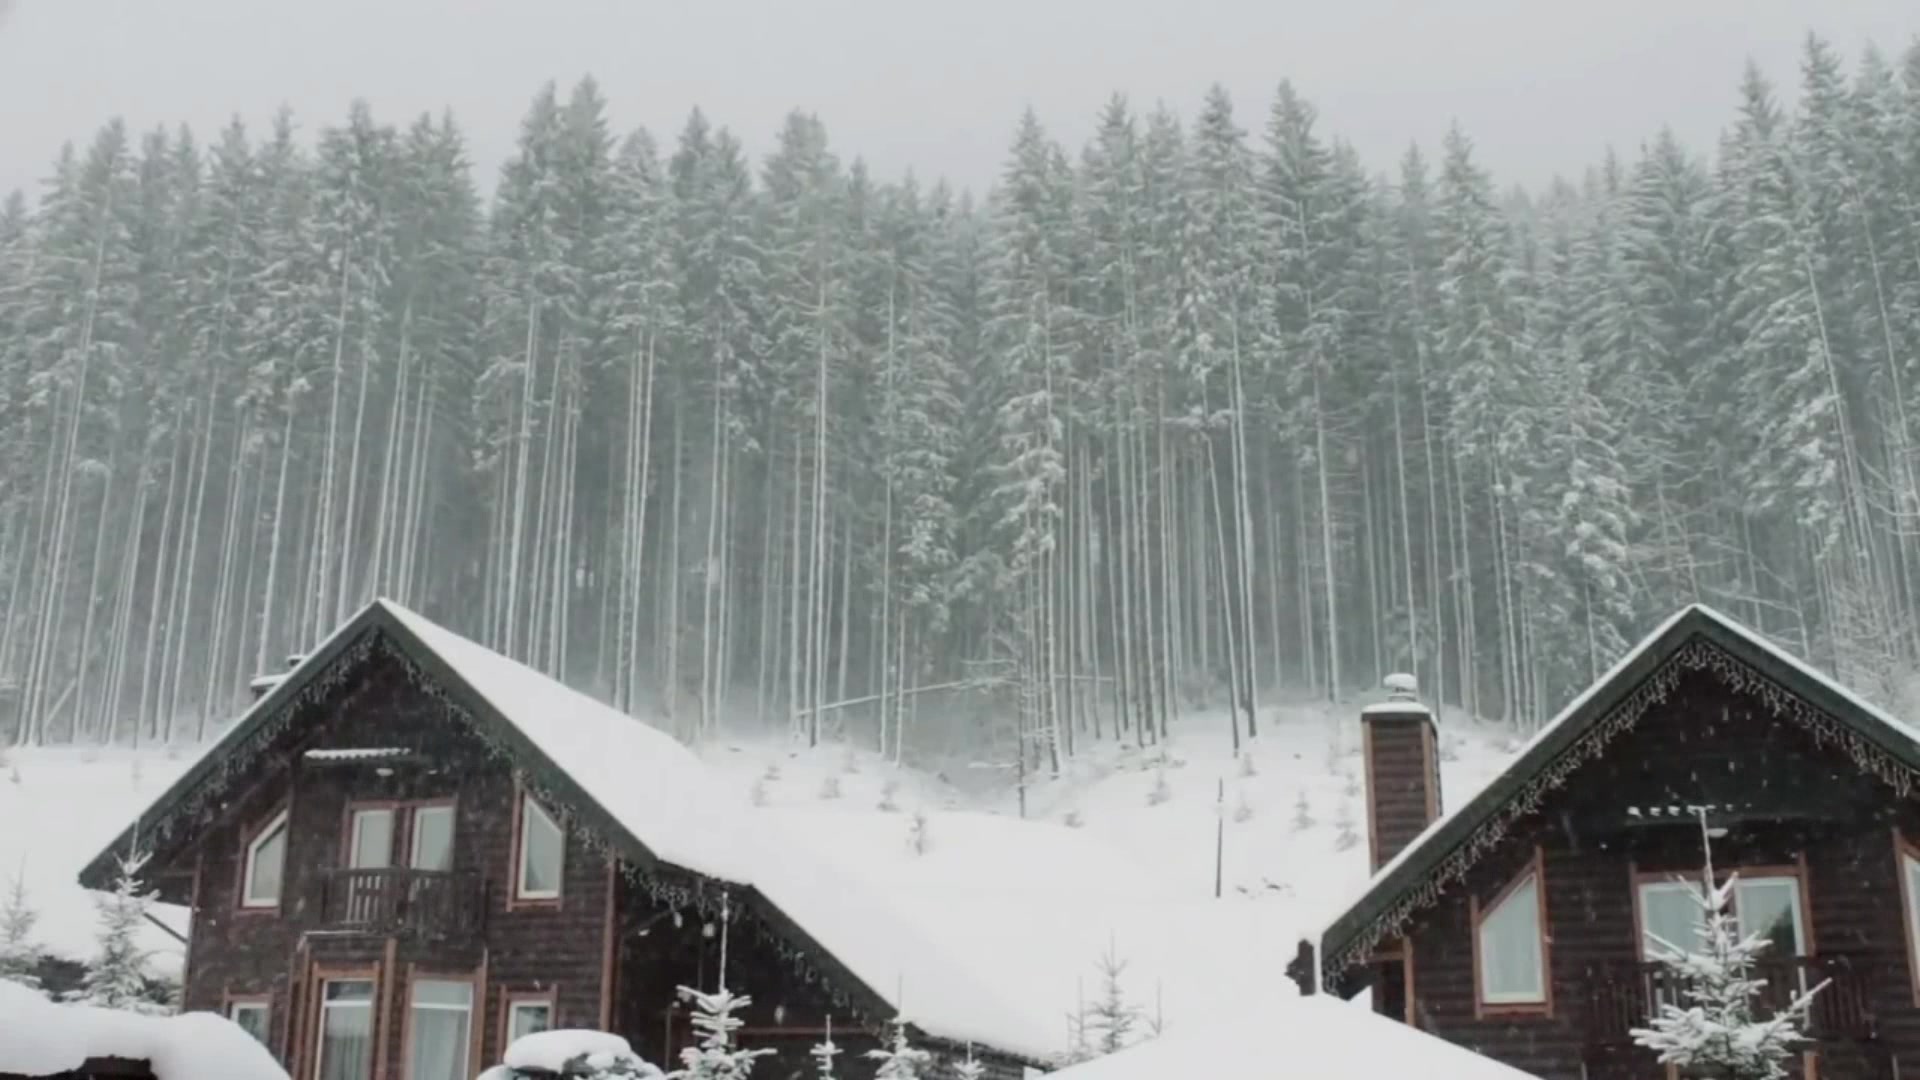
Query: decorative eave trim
(1696, 655)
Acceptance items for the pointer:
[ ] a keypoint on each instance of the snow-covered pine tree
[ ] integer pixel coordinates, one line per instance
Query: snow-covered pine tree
(969, 1068)
(715, 1057)
(900, 1059)
(18, 954)
(117, 977)
(1111, 1019)
(1715, 1031)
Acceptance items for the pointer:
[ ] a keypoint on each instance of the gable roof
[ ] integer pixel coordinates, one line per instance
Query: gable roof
(650, 798)
(1695, 638)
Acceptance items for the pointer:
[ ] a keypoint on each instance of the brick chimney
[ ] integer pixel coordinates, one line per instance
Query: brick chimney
(1403, 769)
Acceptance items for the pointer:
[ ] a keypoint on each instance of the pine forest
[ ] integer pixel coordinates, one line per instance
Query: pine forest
(1203, 413)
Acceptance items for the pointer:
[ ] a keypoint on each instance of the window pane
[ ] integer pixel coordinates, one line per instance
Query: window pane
(252, 1019)
(372, 839)
(433, 838)
(346, 1031)
(1510, 959)
(529, 1017)
(1671, 918)
(437, 1039)
(265, 861)
(540, 848)
(1770, 908)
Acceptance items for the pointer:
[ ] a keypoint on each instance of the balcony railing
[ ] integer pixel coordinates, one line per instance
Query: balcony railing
(429, 903)
(1624, 996)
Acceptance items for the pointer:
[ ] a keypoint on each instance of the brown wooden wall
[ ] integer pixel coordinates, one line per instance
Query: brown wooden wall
(557, 949)
(1704, 744)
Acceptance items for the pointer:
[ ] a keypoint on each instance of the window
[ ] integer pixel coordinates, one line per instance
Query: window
(432, 847)
(1508, 947)
(250, 1017)
(439, 1029)
(346, 1030)
(1910, 893)
(266, 859)
(1672, 917)
(541, 846)
(527, 1017)
(372, 844)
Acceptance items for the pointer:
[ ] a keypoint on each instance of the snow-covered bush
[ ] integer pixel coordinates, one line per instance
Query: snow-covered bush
(1111, 1018)
(830, 787)
(1247, 768)
(1302, 813)
(917, 837)
(887, 792)
(1242, 809)
(757, 794)
(1713, 1030)
(1346, 837)
(566, 1054)
(1160, 792)
(1073, 819)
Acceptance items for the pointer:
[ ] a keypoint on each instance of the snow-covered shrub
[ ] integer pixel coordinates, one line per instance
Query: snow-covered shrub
(830, 787)
(565, 1054)
(1713, 1030)
(887, 792)
(773, 771)
(1242, 809)
(1247, 768)
(757, 794)
(1073, 819)
(19, 956)
(1302, 813)
(917, 838)
(1352, 787)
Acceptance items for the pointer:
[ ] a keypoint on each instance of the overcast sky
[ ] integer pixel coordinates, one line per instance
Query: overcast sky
(1543, 86)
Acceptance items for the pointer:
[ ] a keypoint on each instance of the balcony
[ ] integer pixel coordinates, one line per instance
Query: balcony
(392, 900)
(1623, 996)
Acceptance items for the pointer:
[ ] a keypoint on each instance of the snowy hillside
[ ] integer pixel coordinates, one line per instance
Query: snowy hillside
(1117, 855)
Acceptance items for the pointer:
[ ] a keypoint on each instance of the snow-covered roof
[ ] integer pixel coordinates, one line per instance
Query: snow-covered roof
(1427, 853)
(1396, 708)
(1310, 1038)
(40, 1038)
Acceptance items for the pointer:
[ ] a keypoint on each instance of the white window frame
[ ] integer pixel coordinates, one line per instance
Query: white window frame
(1799, 913)
(419, 815)
(277, 826)
(353, 836)
(529, 807)
(320, 1028)
(1529, 1001)
(415, 1005)
(1910, 899)
(1652, 951)
(1690, 885)
(517, 1006)
(264, 1008)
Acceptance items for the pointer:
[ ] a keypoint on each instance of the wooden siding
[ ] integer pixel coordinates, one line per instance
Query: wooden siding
(1809, 810)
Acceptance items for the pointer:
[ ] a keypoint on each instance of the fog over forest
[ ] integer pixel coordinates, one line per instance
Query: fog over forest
(1204, 412)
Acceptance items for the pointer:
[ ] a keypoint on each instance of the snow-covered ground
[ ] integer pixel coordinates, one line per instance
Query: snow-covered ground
(1117, 854)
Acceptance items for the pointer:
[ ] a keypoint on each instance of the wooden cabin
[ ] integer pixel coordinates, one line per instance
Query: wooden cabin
(411, 850)
(1524, 923)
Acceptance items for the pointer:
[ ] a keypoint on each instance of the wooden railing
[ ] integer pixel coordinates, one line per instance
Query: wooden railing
(1624, 996)
(431, 903)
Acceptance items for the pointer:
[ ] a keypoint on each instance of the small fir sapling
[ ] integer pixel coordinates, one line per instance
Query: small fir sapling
(887, 792)
(1247, 768)
(1713, 1029)
(1352, 788)
(1302, 813)
(917, 838)
(969, 1069)
(19, 956)
(830, 787)
(899, 1059)
(757, 794)
(1073, 819)
(1242, 809)
(1346, 838)
(823, 1053)
(773, 771)
(850, 763)
(1111, 1020)
(714, 1056)
(117, 978)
